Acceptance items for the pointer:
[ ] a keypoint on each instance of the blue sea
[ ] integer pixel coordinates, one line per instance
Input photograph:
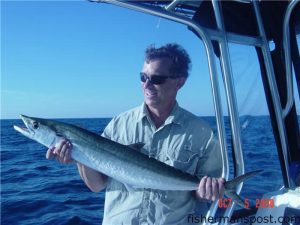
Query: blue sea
(35, 190)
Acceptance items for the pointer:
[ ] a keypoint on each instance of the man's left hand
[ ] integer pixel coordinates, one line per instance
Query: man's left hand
(211, 188)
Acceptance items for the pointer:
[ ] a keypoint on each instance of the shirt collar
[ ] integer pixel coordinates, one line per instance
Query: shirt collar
(172, 118)
(143, 112)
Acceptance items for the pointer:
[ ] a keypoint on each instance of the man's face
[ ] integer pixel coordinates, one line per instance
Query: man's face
(160, 95)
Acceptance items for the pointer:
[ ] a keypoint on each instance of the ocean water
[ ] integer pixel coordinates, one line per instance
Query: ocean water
(35, 190)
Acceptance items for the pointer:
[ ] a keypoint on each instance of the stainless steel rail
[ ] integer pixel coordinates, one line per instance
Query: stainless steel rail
(213, 34)
(212, 71)
(223, 38)
(231, 100)
(273, 89)
(287, 56)
(234, 38)
(172, 5)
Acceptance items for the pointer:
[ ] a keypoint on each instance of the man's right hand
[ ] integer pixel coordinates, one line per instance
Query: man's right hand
(62, 152)
(92, 178)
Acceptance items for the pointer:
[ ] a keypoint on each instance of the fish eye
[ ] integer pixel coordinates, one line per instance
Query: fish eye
(35, 125)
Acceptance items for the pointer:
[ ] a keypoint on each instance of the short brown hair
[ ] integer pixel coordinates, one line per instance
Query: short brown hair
(180, 59)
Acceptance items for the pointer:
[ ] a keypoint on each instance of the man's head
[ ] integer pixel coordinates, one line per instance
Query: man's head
(179, 58)
(164, 72)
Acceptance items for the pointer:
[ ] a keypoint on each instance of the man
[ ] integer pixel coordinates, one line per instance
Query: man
(171, 135)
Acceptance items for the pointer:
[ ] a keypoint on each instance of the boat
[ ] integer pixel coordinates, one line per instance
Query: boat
(260, 25)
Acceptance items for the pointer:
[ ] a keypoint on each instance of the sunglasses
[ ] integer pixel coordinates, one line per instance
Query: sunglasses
(156, 79)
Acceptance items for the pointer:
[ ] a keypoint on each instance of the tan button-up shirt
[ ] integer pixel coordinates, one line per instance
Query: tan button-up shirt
(183, 141)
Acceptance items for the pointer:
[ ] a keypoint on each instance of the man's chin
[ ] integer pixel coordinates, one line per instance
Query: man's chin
(151, 102)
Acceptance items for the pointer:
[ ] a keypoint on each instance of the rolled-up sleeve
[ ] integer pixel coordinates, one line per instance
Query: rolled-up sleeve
(107, 133)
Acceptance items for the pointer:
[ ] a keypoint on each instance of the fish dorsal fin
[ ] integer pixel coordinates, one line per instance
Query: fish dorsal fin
(137, 146)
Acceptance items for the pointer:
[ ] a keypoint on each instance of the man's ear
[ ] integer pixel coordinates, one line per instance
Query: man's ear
(181, 82)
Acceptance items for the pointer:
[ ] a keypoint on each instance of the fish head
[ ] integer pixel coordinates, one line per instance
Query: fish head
(39, 130)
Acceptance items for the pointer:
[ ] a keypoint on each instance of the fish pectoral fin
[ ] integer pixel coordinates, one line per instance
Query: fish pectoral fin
(137, 146)
(235, 197)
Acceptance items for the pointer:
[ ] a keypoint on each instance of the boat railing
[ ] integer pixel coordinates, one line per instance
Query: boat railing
(287, 57)
(274, 90)
(223, 38)
(207, 41)
(231, 99)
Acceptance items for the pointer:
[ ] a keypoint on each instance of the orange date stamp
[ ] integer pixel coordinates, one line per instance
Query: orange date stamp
(259, 203)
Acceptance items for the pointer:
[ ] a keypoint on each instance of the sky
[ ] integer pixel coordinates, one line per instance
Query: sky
(78, 59)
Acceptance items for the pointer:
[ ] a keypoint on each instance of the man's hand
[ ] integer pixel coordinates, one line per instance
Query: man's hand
(211, 188)
(62, 152)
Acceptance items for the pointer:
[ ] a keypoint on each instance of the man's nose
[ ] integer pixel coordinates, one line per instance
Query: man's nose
(147, 83)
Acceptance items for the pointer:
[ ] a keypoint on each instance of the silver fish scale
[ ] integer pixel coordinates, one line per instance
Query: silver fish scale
(124, 163)
(119, 161)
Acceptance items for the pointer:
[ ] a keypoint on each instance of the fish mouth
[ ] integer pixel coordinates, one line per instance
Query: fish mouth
(24, 130)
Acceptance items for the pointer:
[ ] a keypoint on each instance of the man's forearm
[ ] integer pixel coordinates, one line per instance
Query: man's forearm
(92, 178)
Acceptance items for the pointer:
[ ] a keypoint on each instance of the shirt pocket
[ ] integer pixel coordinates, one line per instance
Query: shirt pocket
(185, 158)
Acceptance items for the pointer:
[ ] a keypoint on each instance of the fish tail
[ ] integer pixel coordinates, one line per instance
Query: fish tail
(230, 187)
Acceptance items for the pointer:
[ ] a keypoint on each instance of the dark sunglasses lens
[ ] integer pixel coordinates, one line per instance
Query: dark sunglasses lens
(143, 78)
(158, 79)
(155, 79)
